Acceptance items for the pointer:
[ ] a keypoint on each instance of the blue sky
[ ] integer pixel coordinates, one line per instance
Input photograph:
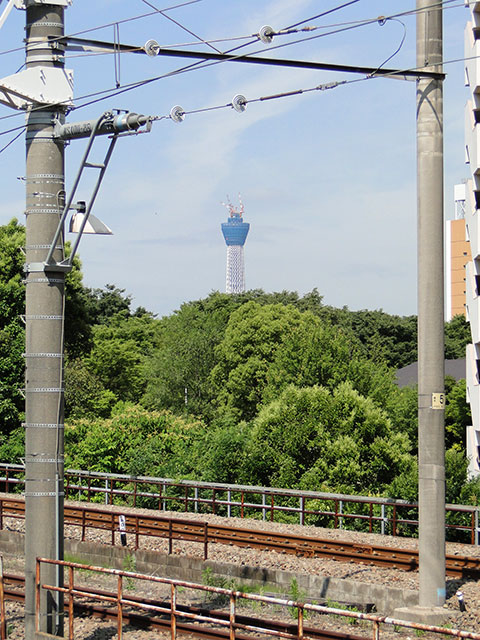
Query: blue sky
(327, 178)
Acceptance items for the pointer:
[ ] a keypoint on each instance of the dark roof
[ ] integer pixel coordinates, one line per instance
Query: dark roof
(409, 375)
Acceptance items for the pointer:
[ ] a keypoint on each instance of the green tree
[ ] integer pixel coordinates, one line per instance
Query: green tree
(102, 304)
(252, 337)
(385, 338)
(85, 395)
(457, 413)
(402, 409)
(77, 326)
(12, 334)
(133, 441)
(119, 353)
(184, 356)
(317, 353)
(186, 351)
(457, 336)
(317, 439)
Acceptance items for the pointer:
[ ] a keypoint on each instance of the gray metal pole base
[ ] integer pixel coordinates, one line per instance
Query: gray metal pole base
(434, 616)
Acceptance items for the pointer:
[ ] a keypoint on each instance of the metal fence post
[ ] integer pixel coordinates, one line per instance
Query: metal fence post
(233, 599)
(3, 625)
(173, 614)
(119, 607)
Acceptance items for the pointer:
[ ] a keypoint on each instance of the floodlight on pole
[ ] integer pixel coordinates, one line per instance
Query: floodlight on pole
(92, 225)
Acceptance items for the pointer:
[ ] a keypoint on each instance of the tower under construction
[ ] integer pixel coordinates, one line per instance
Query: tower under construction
(235, 232)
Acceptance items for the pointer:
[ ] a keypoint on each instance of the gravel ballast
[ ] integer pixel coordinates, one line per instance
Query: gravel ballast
(87, 629)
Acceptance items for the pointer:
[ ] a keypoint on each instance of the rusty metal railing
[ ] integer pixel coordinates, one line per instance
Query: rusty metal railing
(71, 590)
(374, 514)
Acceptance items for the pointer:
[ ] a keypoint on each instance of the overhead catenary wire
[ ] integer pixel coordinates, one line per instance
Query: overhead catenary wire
(345, 26)
(321, 87)
(284, 31)
(254, 37)
(200, 65)
(403, 13)
(179, 24)
(324, 13)
(397, 50)
(12, 141)
(110, 24)
(111, 92)
(295, 92)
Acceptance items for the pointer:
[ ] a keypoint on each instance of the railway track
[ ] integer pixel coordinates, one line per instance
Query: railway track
(13, 590)
(204, 533)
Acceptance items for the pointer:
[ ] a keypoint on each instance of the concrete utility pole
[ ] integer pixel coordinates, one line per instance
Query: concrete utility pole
(431, 397)
(45, 306)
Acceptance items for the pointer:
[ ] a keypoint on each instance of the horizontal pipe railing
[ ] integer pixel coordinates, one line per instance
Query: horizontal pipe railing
(383, 515)
(298, 610)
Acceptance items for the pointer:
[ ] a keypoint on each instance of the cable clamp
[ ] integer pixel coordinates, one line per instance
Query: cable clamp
(42, 209)
(42, 355)
(44, 390)
(44, 176)
(43, 494)
(43, 317)
(44, 280)
(41, 246)
(34, 459)
(42, 425)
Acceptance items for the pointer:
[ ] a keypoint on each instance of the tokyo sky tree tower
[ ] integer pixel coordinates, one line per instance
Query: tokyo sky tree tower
(235, 232)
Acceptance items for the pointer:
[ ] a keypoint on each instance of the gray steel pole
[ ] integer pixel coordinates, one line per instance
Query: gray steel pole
(431, 399)
(45, 298)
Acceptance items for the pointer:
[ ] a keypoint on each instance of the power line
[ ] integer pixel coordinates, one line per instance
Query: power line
(284, 31)
(161, 12)
(12, 141)
(3, 133)
(325, 13)
(108, 93)
(199, 65)
(242, 102)
(399, 46)
(110, 24)
(165, 46)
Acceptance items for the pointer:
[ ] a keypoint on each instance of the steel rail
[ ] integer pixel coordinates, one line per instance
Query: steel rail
(231, 621)
(201, 532)
(145, 621)
(383, 515)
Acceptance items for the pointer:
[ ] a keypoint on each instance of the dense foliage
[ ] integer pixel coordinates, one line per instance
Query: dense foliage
(259, 388)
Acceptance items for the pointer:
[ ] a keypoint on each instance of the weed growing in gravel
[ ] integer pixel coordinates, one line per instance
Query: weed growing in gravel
(331, 604)
(77, 560)
(209, 579)
(297, 594)
(130, 564)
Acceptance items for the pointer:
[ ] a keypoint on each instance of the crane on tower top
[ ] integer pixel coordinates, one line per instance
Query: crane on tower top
(235, 212)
